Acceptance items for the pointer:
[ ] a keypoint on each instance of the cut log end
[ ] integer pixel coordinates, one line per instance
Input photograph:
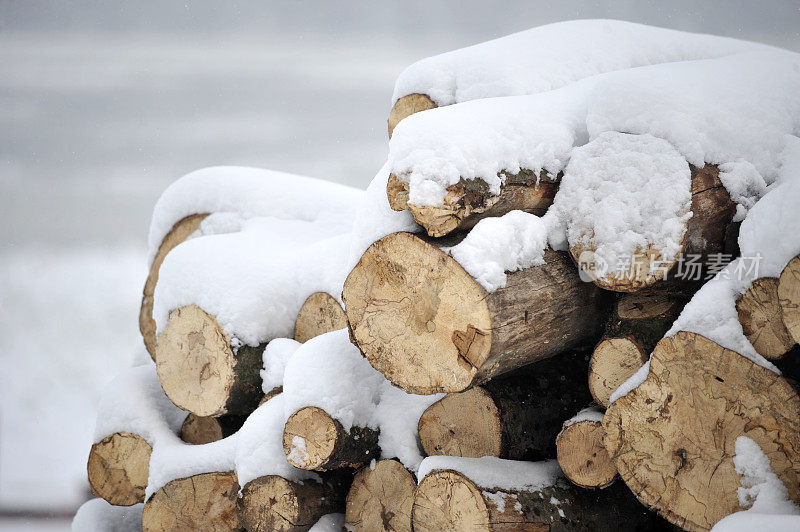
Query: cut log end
(448, 501)
(397, 193)
(320, 313)
(760, 314)
(462, 424)
(646, 306)
(613, 361)
(199, 430)
(381, 498)
(201, 502)
(272, 503)
(407, 106)
(583, 457)
(789, 297)
(179, 233)
(118, 468)
(672, 438)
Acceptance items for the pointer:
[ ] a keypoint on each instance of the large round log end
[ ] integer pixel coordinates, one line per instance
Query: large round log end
(381, 498)
(448, 501)
(118, 468)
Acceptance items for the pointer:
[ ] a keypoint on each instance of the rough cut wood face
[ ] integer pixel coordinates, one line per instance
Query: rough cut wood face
(320, 313)
(789, 296)
(381, 498)
(614, 360)
(199, 430)
(182, 229)
(274, 504)
(760, 314)
(672, 438)
(118, 468)
(199, 502)
(583, 457)
(407, 106)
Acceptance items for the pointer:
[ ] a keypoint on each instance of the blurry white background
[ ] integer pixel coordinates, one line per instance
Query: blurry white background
(103, 104)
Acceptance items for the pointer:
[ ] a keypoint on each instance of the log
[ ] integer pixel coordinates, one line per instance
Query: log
(270, 394)
(421, 320)
(319, 314)
(182, 229)
(672, 438)
(706, 232)
(200, 371)
(200, 502)
(447, 500)
(407, 106)
(200, 430)
(381, 498)
(583, 457)
(515, 417)
(638, 323)
(118, 468)
(760, 314)
(789, 297)
(272, 503)
(313, 440)
(470, 201)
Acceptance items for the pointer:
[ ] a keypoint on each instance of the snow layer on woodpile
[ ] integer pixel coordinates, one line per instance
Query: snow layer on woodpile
(251, 192)
(329, 523)
(275, 358)
(551, 56)
(496, 473)
(96, 515)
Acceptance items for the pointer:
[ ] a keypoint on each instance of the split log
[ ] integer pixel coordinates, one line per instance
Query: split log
(706, 231)
(789, 297)
(182, 229)
(381, 498)
(201, 372)
(672, 438)
(447, 500)
(407, 106)
(429, 327)
(320, 313)
(312, 439)
(638, 323)
(118, 468)
(583, 457)
(200, 502)
(469, 201)
(760, 314)
(272, 503)
(515, 417)
(199, 430)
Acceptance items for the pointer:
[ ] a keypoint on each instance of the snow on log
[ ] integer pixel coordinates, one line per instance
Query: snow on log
(201, 502)
(789, 297)
(428, 326)
(96, 515)
(581, 454)
(314, 440)
(381, 498)
(478, 494)
(516, 417)
(760, 314)
(319, 314)
(118, 468)
(672, 437)
(198, 430)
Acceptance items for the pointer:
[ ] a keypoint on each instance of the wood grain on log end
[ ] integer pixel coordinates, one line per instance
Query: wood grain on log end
(407, 106)
(613, 361)
(274, 504)
(199, 430)
(200, 502)
(761, 317)
(381, 498)
(583, 457)
(320, 313)
(182, 229)
(118, 468)
(789, 297)
(672, 438)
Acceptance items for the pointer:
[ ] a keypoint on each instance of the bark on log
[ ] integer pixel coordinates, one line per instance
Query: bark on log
(789, 297)
(118, 468)
(200, 430)
(706, 231)
(761, 317)
(583, 457)
(313, 440)
(672, 438)
(182, 229)
(201, 372)
(200, 502)
(272, 503)
(381, 498)
(407, 106)
(469, 201)
(515, 417)
(270, 394)
(429, 327)
(447, 500)
(320, 313)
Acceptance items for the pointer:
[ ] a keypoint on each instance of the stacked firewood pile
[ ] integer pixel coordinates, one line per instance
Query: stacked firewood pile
(563, 399)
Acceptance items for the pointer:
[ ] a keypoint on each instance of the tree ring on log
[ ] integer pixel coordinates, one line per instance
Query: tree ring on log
(320, 313)
(448, 501)
(118, 468)
(381, 498)
(310, 438)
(789, 296)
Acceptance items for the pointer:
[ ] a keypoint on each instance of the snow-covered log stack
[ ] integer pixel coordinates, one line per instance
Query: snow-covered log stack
(542, 314)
